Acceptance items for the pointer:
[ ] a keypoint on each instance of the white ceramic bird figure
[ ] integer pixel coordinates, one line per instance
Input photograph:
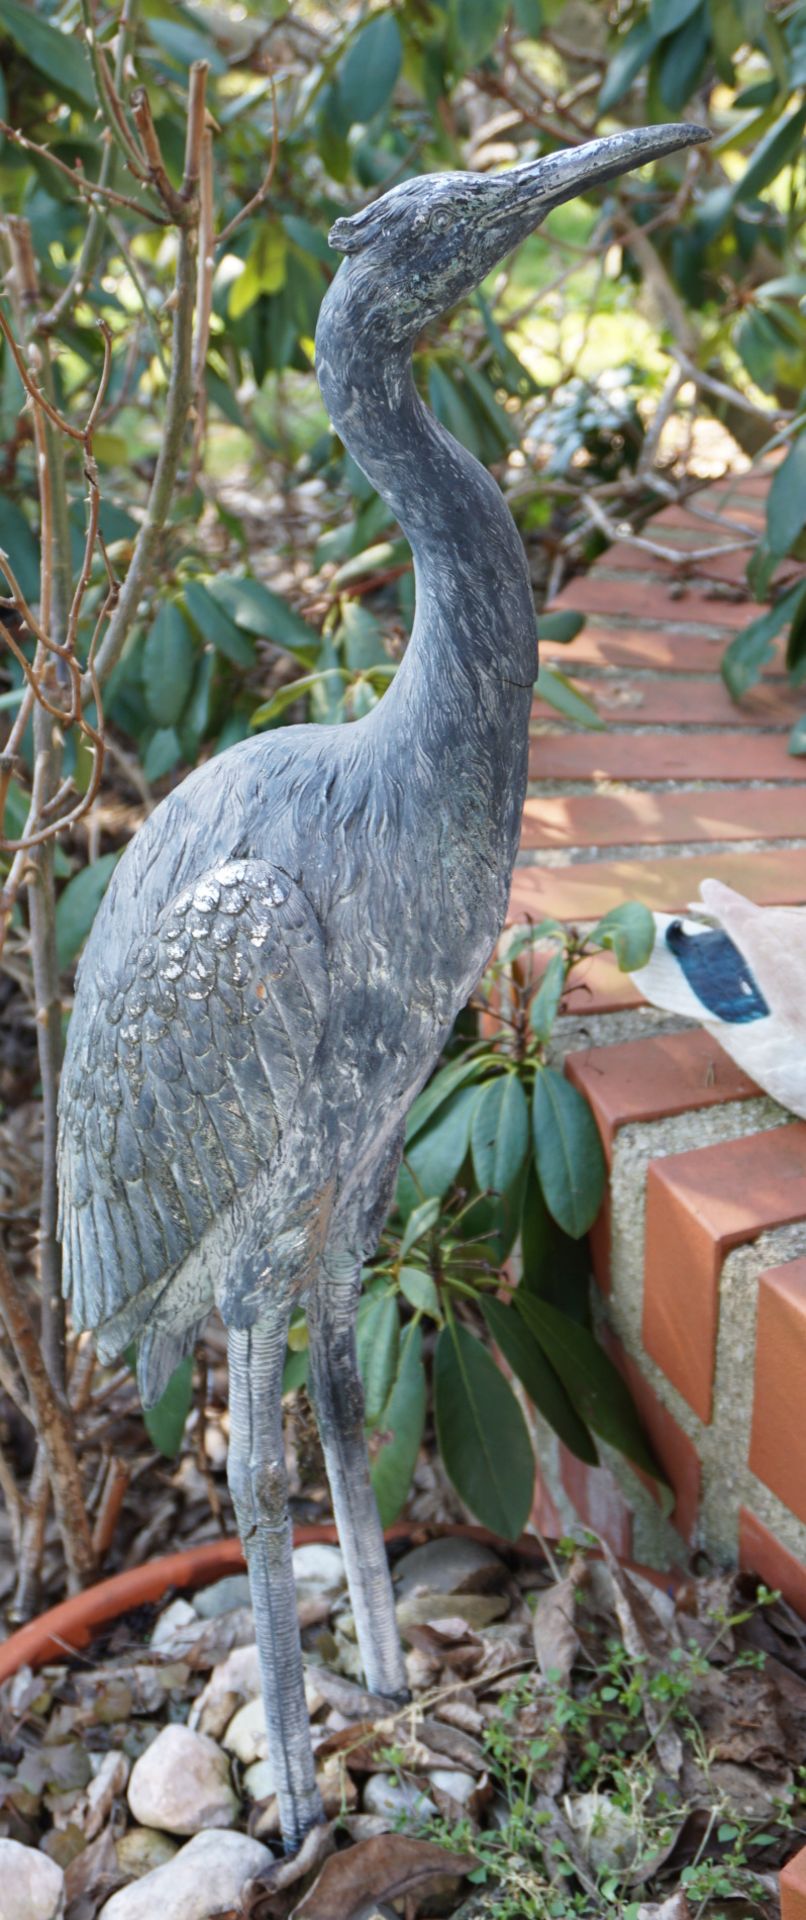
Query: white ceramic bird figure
(741, 971)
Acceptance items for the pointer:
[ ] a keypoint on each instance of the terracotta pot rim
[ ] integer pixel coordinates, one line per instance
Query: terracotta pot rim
(73, 1623)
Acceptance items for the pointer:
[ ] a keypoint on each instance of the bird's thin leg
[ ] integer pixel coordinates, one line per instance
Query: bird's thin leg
(258, 1483)
(338, 1396)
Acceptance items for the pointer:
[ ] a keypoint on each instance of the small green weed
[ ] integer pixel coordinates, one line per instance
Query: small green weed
(581, 1820)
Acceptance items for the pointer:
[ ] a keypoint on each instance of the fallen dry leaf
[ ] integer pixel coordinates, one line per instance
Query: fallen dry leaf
(380, 1869)
(645, 1642)
(261, 1898)
(675, 1908)
(91, 1877)
(553, 1630)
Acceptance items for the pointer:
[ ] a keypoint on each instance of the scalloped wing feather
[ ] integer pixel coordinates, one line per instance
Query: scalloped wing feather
(180, 1074)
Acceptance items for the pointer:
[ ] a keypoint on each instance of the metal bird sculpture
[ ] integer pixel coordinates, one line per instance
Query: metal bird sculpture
(739, 969)
(288, 939)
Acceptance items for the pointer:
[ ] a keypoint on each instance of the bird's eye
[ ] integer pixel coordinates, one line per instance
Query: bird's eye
(440, 221)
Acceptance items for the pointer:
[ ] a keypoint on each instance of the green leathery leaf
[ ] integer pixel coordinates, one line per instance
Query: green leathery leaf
(568, 1152)
(216, 626)
(162, 753)
(524, 1354)
(750, 649)
(543, 1008)
(553, 1266)
(796, 743)
(418, 1288)
(384, 553)
(400, 1430)
(445, 1082)
(256, 609)
(633, 52)
(184, 44)
(779, 145)
(295, 1371)
(482, 1433)
(786, 501)
(296, 690)
(378, 1339)
(433, 1160)
(560, 693)
(60, 56)
(169, 665)
(477, 24)
(165, 1422)
(592, 1382)
(369, 70)
(560, 627)
(22, 547)
(529, 17)
(360, 635)
(499, 1133)
(629, 932)
(419, 1223)
(264, 268)
(668, 15)
(453, 410)
(493, 1221)
(681, 59)
(78, 904)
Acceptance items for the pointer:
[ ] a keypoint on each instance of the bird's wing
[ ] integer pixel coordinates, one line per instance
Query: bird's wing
(183, 1066)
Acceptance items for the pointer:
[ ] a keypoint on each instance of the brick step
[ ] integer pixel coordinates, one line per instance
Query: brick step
(625, 700)
(655, 1078)
(586, 891)
(778, 1434)
(699, 1205)
(594, 593)
(705, 1175)
(661, 819)
(658, 650)
(660, 756)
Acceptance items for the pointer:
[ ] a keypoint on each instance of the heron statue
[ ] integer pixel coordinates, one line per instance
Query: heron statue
(288, 939)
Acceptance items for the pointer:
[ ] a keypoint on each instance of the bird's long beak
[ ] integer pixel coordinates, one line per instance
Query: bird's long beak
(521, 198)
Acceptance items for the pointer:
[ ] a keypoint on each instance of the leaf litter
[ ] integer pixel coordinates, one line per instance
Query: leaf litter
(589, 1743)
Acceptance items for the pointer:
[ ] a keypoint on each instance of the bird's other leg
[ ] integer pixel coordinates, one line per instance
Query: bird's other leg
(338, 1396)
(258, 1484)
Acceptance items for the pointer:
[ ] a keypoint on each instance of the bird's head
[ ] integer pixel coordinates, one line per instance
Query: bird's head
(429, 241)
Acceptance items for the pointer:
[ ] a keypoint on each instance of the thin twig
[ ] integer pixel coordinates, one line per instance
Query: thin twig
(157, 173)
(195, 130)
(91, 190)
(204, 296)
(109, 103)
(180, 390)
(53, 1430)
(82, 272)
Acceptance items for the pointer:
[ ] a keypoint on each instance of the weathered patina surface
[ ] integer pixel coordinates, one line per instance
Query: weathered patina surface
(286, 943)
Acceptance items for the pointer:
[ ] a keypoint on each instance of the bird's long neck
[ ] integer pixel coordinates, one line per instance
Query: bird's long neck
(475, 616)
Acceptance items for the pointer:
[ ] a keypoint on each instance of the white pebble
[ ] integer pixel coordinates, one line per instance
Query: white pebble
(460, 1786)
(182, 1784)
(319, 1572)
(205, 1877)
(32, 1884)
(178, 1615)
(384, 1794)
